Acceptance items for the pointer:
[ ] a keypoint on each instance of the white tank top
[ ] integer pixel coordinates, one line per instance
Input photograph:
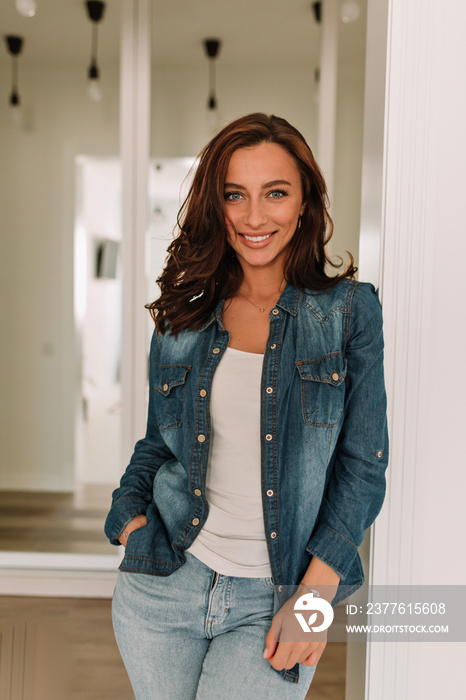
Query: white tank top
(232, 541)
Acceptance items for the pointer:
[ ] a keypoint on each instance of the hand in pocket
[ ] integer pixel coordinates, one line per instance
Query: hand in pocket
(134, 524)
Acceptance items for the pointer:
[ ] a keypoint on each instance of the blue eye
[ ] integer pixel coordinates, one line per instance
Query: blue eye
(278, 194)
(232, 196)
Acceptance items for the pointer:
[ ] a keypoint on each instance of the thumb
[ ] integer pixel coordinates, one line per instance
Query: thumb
(270, 644)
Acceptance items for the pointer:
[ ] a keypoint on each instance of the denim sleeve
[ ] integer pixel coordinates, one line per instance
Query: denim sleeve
(356, 488)
(135, 492)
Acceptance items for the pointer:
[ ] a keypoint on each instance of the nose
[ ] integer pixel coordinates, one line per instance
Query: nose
(255, 215)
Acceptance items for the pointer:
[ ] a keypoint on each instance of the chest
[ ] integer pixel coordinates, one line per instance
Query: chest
(303, 372)
(248, 327)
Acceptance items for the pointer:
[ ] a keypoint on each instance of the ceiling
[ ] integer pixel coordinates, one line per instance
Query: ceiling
(263, 32)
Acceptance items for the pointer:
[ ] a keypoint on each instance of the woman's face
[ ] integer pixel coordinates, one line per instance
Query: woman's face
(262, 204)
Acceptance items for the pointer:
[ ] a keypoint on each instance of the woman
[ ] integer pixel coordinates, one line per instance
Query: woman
(266, 444)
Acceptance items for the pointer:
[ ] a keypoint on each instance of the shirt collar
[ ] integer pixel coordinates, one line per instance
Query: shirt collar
(289, 299)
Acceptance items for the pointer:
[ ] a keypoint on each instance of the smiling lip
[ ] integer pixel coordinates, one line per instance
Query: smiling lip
(257, 240)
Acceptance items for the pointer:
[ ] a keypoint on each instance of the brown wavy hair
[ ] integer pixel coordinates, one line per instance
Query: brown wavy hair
(202, 268)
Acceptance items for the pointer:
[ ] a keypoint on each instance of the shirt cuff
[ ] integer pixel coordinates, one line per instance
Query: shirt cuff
(120, 514)
(333, 549)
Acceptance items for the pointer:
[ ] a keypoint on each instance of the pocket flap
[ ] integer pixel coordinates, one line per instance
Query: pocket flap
(169, 376)
(330, 369)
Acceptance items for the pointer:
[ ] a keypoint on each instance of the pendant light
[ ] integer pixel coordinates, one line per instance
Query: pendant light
(15, 45)
(27, 8)
(350, 11)
(212, 48)
(95, 11)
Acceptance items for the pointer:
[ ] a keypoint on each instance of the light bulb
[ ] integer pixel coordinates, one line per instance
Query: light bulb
(349, 11)
(16, 114)
(93, 85)
(94, 90)
(27, 8)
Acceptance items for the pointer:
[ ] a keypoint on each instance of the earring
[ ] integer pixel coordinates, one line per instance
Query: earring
(299, 222)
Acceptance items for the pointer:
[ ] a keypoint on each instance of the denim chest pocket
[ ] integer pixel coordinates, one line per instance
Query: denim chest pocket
(322, 389)
(170, 383)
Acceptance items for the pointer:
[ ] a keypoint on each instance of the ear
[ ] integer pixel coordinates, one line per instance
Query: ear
(303, 207)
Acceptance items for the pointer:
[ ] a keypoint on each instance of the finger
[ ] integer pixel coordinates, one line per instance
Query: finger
(313, 657)
(311, 660)
(270, 643)
(286, 656)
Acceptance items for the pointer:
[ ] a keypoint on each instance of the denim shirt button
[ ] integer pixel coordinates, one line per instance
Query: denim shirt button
(216, 351)
(201, 438)
(203, 393)
(165, 387)
(273, 346)
(335, 376)
(275, 312)
(269, 437)
(269, 390)
(195, 521)
(273, 535)
(198, 492)
(280, 588)
(270, 492)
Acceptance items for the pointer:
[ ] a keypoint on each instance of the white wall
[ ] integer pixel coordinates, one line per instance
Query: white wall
(37, 198)
(348, 161)
(180, 123)
(37, 325)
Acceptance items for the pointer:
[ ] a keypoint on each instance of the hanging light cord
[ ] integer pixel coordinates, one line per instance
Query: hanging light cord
(212, 77)
(94, 44)
(14, 75)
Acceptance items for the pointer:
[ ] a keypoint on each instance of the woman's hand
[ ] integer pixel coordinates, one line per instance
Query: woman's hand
(285, 654)
(290, 653)
(134, 524)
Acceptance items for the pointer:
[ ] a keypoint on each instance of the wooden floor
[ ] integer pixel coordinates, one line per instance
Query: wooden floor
(55, 522)
(64, 649)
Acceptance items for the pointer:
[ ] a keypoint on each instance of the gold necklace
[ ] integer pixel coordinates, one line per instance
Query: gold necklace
(261, 308)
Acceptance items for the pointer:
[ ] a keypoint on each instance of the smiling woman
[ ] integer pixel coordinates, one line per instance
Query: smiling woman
(254, 473)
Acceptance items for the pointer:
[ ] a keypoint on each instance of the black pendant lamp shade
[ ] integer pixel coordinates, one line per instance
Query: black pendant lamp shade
(317, 10)
(95, 10)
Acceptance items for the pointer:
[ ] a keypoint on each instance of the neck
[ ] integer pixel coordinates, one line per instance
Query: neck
(262, 284)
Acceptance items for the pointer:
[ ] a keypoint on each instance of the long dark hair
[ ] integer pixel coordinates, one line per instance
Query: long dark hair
(201, 268)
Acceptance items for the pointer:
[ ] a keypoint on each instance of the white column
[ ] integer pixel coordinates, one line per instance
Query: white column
(419, 536)
(370, 244)
(135, 120)
(328, 91)
(373, 148)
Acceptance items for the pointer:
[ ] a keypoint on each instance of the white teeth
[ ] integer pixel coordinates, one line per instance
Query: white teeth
(256, 238)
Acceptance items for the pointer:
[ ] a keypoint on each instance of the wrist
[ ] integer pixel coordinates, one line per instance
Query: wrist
(319, 573)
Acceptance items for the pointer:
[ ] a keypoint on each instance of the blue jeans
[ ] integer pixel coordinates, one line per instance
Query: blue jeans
(199, 635)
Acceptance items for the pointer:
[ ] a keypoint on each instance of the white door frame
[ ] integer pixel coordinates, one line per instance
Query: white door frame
(135, 103)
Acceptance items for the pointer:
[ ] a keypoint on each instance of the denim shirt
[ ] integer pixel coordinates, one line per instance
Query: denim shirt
(324, 442)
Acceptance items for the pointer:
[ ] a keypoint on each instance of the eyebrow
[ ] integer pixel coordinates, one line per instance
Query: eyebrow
(273, 183)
